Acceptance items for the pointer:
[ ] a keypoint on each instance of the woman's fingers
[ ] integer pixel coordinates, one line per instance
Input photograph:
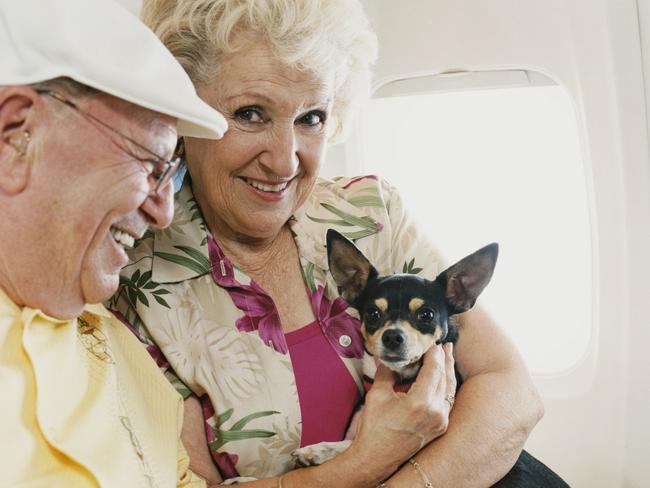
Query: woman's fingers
(434, 389)
(431, 374)
(450, 390)
(396, 425)
(384, 377)
(382, 385)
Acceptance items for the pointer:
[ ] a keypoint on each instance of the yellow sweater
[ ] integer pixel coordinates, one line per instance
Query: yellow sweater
(83, 405)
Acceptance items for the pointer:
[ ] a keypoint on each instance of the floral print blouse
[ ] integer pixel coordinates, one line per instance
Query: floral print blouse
(216, 333)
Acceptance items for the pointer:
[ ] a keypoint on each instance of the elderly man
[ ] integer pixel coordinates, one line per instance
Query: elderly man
(89, 101)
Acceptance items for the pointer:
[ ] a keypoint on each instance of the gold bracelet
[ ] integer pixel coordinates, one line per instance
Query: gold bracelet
(422, 474)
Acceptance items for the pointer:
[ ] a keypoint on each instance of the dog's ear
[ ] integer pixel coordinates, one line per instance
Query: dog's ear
(350, 269)
(465, 280)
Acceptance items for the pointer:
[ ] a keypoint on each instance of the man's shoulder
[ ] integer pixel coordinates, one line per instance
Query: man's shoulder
(150, 404)
(125, 350)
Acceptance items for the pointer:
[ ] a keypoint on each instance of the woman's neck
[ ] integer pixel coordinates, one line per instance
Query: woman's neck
(253, 255)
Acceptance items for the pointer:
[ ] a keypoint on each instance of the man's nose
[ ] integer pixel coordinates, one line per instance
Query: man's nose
(159, 206)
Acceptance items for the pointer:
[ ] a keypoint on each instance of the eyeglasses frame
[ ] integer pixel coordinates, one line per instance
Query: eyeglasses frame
(163, 169)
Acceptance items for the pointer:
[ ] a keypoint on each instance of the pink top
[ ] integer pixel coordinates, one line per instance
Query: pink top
(326, 390)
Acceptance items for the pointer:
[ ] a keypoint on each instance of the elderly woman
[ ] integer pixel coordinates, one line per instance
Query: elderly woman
(235, 299)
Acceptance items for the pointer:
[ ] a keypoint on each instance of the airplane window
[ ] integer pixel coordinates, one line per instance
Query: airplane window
(504, 165)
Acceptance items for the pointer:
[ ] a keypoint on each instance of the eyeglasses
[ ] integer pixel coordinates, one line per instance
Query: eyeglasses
(160, 168)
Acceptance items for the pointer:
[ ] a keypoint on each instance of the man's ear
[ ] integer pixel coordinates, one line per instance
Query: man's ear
(349, 267)
(465, 280)
(16, 107)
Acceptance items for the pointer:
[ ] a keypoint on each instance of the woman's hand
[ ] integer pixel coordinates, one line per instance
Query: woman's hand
(495, 410)
(394, 425)
(393, 428)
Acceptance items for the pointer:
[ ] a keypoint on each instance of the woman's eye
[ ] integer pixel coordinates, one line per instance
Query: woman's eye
(313, 118)
(249, 114)
(425, 315)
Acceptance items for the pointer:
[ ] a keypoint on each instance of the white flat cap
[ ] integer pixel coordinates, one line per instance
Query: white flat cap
(100, 44)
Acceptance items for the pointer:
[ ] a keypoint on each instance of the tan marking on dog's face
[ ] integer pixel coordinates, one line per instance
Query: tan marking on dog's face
(417, 342)
(373, 341)
(381, 304)
(415, 303)
(364, 332)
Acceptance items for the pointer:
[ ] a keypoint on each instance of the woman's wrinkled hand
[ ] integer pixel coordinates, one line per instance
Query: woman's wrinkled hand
(396, 425)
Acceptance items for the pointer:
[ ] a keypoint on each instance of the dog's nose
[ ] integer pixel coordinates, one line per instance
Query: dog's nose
(393, 339)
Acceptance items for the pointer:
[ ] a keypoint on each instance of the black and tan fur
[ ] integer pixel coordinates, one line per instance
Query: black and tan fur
(402, 315)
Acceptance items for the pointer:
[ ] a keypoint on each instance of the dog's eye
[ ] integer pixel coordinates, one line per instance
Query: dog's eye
(425, 315)
(372, 316)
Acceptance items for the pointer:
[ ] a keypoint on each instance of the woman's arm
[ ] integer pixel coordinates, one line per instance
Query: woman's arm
(196, 442)
(497, 406)
(494, 412)
(394, 427)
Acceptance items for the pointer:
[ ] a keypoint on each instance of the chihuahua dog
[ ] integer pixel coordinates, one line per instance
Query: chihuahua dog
(402, 316)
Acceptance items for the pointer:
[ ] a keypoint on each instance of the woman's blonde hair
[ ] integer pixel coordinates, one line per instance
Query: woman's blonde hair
(322, 36)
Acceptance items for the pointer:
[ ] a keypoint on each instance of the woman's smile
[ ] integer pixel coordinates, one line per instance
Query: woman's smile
(267, 191)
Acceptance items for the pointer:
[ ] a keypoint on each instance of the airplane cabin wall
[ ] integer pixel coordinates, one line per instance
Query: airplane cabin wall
(595, 431)
(637, 448)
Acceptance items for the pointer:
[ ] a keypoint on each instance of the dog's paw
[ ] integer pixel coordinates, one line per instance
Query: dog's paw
(319, 453)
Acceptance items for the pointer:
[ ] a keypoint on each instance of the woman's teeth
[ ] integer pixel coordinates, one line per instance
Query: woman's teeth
(265, 187)
(122, 238)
